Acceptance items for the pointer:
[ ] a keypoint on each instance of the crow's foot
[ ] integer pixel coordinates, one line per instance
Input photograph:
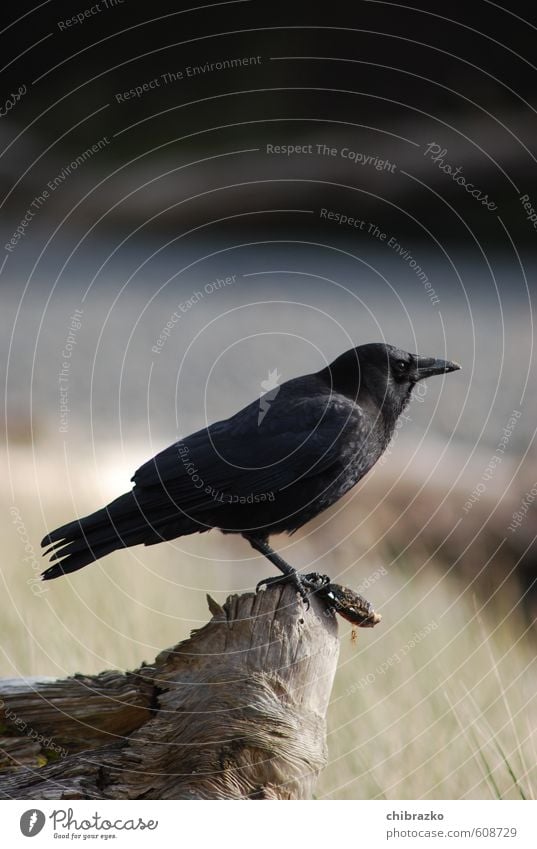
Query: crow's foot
(294, 578)
(305, 585)
(315, 581)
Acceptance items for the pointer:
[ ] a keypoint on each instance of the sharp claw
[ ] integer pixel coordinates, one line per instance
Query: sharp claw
(315, 581)
(302, 592)
(267, 582)
(301, 585)
(301, 588)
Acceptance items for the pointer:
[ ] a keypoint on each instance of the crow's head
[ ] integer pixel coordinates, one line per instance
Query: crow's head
(383, 375)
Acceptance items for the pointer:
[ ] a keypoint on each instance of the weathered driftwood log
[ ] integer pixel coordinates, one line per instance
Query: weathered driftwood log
(236, 711)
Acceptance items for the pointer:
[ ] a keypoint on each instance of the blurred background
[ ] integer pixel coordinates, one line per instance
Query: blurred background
(193, 198)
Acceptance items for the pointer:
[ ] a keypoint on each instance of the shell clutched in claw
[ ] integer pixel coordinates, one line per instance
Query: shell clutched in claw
(351, 606)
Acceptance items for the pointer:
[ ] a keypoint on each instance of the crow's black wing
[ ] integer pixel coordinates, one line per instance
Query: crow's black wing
(242, 456)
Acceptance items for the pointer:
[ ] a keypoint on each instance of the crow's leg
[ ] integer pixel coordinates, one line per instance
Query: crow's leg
(289, 573)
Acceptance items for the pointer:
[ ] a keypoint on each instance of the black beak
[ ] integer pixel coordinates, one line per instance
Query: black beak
(428, 366)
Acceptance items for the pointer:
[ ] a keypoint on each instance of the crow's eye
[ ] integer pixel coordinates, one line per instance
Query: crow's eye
(401, 365)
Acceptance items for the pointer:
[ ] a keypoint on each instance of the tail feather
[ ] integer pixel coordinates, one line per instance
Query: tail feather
(117, 535)
(117, 510)
(131, 519)
(76, 561)
(76, 544)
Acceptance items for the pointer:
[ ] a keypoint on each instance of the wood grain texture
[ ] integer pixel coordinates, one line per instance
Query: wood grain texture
(235, 712)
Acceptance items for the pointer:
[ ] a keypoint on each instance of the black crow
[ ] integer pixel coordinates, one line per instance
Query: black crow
(270, 468)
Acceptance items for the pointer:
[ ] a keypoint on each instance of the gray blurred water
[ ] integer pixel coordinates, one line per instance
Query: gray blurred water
(240, 313)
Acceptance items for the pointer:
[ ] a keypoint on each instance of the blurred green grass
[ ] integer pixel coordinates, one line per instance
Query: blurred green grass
(438, 701)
